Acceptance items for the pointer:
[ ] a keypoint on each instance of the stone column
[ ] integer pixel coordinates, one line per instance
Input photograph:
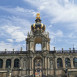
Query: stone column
(28, 46)
(4, 63)
(31, 63)
(54, 65)
(72, 65)
(43, 65)
(47, 46)
(48, 63)
(63, 59)
(43, 62)
(55, 62)
(31, 45)
(47, 66)
(21, 63)
(12, 63)
(28, 65)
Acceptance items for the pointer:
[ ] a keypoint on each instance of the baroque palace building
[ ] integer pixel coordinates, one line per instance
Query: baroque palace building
(34, 63)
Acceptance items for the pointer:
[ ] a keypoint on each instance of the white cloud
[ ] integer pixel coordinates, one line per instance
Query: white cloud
(59, 10)
(54, 35)
(58, 33)
(16, 28)
(73, 35)
(50, 26)
(10, 46)
(15, 33)
(7, 46)
(18, 35)
(10, 40)
(19, 11)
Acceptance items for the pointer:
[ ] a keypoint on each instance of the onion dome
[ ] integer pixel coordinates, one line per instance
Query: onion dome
(38, 26)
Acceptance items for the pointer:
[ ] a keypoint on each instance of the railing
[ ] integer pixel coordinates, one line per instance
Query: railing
(64, 51)
(13, 52)
(25, 52)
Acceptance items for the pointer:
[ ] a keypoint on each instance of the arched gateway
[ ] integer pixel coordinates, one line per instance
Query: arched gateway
(38, 66)
(38, 35)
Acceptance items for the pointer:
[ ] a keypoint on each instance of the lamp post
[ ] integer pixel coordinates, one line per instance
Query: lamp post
(9, 72)
(66, 72)
(20, 72)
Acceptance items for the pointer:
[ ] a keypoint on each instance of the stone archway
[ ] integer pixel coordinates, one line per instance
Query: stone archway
(38, 66)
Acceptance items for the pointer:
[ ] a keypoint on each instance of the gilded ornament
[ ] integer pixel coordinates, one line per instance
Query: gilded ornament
(41, 25)
(34, 25)
(38, 16)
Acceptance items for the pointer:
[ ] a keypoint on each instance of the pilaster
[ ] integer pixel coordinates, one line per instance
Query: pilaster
(12, 63)
(4, 63)
(21, 63)
(72, 65)
(55, 62)
(63, 59)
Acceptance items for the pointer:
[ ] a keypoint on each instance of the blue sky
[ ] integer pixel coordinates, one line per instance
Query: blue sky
(59, 16)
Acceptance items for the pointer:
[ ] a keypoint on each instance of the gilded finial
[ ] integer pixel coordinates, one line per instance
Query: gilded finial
(38, 16)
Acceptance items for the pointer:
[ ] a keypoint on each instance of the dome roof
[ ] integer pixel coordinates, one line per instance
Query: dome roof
(38, 25)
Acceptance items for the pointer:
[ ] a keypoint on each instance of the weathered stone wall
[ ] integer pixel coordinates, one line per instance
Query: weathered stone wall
(26, 64)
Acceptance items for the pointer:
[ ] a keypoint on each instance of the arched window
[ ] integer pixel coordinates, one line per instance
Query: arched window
(59, 62)
(75, 62)
(38, 47)
(16, 63)
(8, 63)
(1, 63)
(67, 62)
